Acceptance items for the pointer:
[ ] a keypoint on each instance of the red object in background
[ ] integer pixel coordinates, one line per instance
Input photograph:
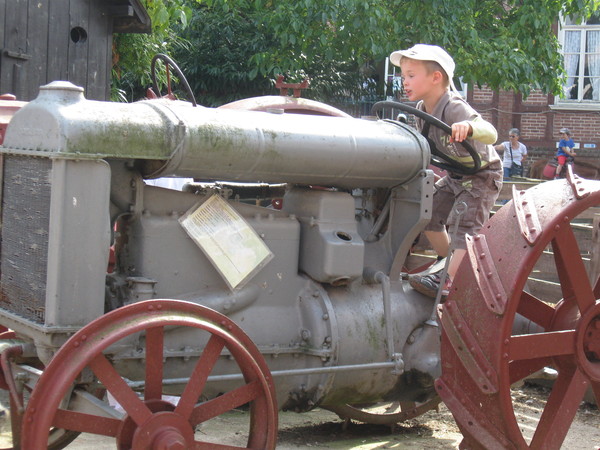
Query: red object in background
(8, 107)
(549, 170)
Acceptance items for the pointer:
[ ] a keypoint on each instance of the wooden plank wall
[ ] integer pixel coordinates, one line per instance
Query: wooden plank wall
(62, 40)
(2, 34)
(38, 35)
(15, 40)
(58, 41)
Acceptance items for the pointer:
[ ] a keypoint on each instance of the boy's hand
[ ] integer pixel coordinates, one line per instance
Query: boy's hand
(460, 131)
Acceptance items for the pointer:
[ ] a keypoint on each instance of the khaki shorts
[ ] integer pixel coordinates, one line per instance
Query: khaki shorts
(478, 191)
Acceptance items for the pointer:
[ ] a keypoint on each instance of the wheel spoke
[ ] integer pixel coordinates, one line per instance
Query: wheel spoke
(536, 310)
(525, 367)
(86, 423)
(154, 363)
(226, 402)
(571, 270)
(560, 410)
(203, 368)
(114, 384)
(533, 346)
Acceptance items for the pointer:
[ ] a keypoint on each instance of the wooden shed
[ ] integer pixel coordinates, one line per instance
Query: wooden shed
(47, 40)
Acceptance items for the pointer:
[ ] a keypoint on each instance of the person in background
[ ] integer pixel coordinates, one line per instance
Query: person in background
(565, 150)
(514, 152)
(427, 72)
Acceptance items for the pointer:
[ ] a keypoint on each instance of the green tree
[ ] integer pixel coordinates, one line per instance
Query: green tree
(238, 46)
(133, 53)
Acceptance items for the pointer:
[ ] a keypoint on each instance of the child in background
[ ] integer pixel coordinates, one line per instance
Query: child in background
(565, 150)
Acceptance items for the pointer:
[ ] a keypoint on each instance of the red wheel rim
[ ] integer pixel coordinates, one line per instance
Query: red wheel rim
(85, 349)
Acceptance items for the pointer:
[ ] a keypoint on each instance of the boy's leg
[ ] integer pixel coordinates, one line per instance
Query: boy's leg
(561, 162)
(480, 198)
(440, 241)
(457, 257)
(430, 283)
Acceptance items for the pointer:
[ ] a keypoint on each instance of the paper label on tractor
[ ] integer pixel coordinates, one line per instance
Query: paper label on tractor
(229, 242)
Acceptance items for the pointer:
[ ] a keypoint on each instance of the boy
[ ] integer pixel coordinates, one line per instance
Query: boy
(565, 149)
(427, 72)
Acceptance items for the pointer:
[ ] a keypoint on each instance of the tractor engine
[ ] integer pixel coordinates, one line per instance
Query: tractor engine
(83, 234)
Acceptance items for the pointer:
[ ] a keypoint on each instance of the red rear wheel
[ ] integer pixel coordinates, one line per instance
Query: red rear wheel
(482, 354)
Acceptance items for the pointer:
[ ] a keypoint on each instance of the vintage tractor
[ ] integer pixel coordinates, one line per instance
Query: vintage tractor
(216, 300)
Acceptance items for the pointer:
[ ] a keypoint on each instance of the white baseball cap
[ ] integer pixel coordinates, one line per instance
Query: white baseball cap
(426, 52)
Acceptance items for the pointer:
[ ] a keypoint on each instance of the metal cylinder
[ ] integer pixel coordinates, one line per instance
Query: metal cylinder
(175, 139)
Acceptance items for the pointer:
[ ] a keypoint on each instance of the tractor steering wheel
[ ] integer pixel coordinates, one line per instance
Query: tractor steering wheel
(169, 62)
(438, 158)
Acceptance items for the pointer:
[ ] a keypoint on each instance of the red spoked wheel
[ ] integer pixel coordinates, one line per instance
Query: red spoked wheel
(482, 355)
(151, 422)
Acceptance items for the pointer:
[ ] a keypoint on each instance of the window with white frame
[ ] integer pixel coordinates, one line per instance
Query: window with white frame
(581, 49)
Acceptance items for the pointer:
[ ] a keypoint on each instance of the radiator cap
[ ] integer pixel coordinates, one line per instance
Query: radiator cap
(62, 91)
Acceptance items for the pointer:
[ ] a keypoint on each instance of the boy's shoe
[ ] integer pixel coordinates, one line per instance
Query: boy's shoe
(430, 284)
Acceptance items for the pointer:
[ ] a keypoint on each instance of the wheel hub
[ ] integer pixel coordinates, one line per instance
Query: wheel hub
(588, 343)
(169, 439)
(164, 431)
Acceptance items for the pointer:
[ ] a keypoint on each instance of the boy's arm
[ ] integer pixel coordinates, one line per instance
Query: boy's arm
(477, 128)
(569, 150)
(483, 131)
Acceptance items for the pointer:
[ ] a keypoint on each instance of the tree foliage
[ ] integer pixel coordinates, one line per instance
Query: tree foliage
(133, 53)
(236, 47)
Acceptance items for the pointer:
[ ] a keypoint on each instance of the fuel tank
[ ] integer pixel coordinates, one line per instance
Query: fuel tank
(169, 138)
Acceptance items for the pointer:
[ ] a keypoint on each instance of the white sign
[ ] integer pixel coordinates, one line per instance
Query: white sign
(229, 242)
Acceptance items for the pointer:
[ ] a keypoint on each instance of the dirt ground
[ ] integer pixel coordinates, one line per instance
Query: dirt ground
(320, 429)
